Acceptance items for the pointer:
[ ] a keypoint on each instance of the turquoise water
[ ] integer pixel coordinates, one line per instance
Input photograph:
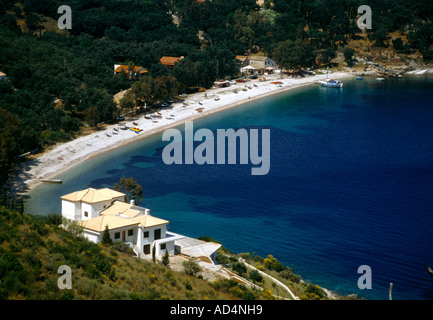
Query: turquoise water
(350, 184)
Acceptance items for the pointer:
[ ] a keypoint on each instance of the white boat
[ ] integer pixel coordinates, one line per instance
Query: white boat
(380, 79)
(331, 82)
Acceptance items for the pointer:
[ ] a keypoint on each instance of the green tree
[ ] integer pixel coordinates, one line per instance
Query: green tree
(21, 210)
(255, 276)
(154, 253)
(380, 37)
(239, 268)
(9, 143)
(166, 259)
(327, 55)
(293, 54)
(92, 116)
(106, 239)
(132, 190)
(272, 263)
(348, 55)
(398, 45)
(165, 88)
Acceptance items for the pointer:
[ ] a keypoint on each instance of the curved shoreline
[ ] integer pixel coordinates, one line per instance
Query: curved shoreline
(65, 156)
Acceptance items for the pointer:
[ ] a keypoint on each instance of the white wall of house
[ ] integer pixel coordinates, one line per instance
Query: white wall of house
(93, 209)
(126, 234)
(151, 231)
(71, 210)
(86, 211)
(146, 237)
(169, 246)
(77, 210)
(138, 236)
(270, 63)
(92, 236)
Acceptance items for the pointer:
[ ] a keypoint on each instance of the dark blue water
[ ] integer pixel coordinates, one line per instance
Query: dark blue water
(350, 184)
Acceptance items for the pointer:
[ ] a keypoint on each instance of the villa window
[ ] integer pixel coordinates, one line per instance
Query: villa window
(130, 232)
(86, 214)
(117, 235)
(146, 234)
(157, 234)
(163, 246)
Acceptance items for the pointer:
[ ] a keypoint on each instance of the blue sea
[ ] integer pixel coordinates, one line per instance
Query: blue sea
(350, 184)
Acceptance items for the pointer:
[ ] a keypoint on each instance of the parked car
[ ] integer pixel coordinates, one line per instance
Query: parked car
(121, 118)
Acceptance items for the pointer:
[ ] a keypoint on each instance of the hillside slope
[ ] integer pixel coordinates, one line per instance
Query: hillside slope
(33, 248)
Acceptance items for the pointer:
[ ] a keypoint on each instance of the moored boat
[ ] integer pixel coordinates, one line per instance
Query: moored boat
(331, 83)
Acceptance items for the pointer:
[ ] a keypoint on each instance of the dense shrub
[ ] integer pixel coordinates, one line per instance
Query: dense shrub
(255, 276)
(191, 268)
(239, 268)
(273, 264)
(289, 275)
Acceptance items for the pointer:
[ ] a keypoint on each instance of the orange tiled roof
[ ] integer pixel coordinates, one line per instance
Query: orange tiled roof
(91, 195)
(124, 68)
(119, 215)
(169, 61)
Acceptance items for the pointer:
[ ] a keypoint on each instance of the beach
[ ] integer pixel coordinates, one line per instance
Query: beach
(64, 156)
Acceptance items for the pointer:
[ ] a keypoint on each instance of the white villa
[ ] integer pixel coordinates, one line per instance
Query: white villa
(257, 65)
(95, 209)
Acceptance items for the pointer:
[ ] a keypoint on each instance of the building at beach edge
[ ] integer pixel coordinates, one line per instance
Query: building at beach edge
(94, 209)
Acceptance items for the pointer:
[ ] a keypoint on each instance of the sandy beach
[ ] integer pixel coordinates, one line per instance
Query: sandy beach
(65, 156)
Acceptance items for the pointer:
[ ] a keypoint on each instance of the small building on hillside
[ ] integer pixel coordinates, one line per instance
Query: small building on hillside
(98, 209)
(130, 71)
(249, 70)
(127, 222)
(262, 63)
(256, 65)
(169, 62)
(3, 76)
(88, 203)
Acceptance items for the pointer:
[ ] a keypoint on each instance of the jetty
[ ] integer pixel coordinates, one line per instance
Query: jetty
(58, 181)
